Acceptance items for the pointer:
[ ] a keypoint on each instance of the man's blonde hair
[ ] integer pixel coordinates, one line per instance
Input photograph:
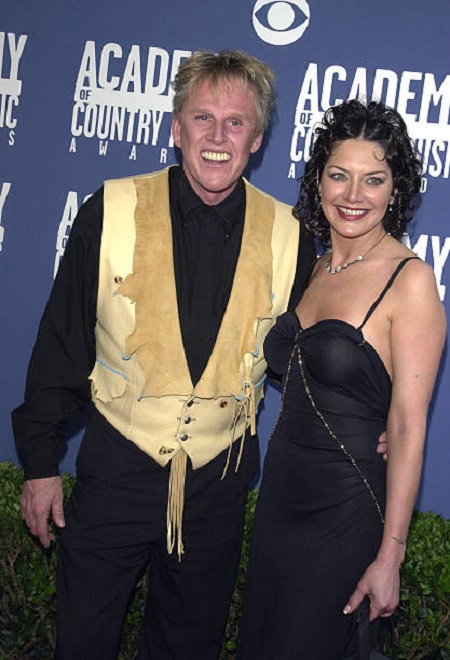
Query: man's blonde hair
(227, 66)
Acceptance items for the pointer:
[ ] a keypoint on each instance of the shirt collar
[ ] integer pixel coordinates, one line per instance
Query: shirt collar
(231, 210)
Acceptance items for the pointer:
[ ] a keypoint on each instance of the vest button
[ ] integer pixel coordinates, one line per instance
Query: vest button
(118, 279)
(187, 420)
(223, 404)
(184, 437)
(165, 450)
(190, 402)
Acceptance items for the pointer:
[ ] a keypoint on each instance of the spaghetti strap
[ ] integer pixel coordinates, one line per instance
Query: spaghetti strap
(385, 290)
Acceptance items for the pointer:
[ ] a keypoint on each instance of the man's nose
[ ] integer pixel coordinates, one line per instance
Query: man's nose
(217, 134)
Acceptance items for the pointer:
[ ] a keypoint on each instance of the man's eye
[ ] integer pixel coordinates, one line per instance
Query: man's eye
(235, 122)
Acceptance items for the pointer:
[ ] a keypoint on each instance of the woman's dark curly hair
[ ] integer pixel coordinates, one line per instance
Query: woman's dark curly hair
(374, 122)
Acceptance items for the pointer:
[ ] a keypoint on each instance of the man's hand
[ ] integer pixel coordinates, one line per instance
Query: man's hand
(382, 447)
(41, 498)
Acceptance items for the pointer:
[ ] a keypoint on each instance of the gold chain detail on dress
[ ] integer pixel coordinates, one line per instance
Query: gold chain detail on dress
(288, 373)
(333, 435)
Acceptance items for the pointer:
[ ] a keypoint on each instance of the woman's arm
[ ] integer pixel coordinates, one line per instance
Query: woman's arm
(417, 338)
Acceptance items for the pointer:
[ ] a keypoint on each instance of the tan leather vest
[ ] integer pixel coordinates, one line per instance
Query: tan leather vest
(141, 382)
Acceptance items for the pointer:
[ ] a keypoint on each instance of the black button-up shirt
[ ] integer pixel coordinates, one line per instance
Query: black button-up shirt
(206, 246)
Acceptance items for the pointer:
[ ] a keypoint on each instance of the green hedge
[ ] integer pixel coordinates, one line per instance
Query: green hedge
(28, 604)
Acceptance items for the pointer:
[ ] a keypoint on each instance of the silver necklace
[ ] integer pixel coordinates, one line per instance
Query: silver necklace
(347, 264)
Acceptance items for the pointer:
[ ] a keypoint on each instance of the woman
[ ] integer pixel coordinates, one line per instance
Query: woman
(359, 355)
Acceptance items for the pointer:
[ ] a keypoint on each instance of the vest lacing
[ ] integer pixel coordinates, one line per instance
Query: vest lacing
(245, 405)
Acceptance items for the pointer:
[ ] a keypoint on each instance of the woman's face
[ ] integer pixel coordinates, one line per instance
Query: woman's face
(356, 187)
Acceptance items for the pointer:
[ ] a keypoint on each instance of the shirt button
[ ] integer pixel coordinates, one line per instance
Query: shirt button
(118, 279)
(190, 402)
(223, 404)
(184, 437)
(187, 420)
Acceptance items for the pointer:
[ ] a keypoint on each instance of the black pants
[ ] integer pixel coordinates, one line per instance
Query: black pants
(116, 524)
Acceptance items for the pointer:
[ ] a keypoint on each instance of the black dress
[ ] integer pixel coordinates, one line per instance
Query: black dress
(319, 515)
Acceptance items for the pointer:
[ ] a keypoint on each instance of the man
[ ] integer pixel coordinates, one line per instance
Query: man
(168, 287)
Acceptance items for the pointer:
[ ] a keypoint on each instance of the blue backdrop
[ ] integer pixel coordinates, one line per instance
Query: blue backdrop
(84, 96)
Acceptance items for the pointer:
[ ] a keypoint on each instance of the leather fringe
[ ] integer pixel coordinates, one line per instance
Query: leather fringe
(175, 503)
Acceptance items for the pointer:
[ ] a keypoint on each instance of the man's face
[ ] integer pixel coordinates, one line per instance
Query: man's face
(216, 134)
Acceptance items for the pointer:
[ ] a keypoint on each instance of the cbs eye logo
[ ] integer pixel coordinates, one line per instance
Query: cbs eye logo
(280, 23)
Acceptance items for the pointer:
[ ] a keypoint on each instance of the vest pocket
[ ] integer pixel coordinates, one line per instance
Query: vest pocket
(108, 383)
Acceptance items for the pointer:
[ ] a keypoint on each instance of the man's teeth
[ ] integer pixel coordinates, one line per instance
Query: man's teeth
(352, 211)
(214, 155)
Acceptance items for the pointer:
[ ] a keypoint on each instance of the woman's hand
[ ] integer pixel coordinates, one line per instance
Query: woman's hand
(381, 582)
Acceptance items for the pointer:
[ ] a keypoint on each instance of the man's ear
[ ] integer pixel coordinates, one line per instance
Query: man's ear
(256, 143)
(176, 131)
